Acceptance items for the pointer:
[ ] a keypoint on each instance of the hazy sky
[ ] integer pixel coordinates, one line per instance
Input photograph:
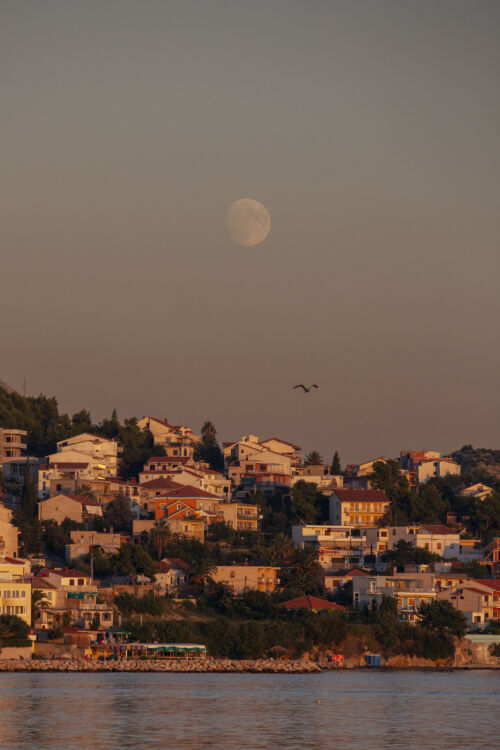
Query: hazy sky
(370, 130)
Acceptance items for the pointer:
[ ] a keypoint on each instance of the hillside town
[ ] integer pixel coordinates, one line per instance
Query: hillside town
(103, 546)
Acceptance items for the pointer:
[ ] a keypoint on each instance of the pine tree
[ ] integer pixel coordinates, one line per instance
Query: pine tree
(336, 468)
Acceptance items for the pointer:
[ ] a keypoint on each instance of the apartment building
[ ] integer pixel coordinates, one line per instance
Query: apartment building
(361, 508)
(13, 443)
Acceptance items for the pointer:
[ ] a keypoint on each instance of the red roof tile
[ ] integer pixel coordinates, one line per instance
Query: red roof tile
(311, 602)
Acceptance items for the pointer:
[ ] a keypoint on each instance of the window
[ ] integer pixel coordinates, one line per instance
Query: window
(71, 581)
(81, 582)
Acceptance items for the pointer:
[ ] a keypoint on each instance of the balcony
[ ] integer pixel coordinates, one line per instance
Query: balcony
(81, 606)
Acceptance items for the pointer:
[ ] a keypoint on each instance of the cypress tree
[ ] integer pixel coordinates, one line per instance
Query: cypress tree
(336, 468)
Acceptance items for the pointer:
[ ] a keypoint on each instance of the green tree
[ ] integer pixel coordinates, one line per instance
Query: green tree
(39, 601)
(12, 628)
(313, 459)
(441, 616)
(303, 503)
(26, 515)
(336, 468)
(306, 575)
(208, 449)
(160, 535)
(118, 514)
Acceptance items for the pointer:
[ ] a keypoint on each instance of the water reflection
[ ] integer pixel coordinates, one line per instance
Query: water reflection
(342, 710)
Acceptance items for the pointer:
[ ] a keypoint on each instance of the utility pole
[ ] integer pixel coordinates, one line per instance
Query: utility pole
(24, 386)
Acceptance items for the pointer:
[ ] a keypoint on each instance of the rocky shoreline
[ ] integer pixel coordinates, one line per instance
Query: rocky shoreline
(256, 666)
(161, 665)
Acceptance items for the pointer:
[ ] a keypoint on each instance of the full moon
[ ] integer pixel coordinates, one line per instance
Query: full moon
(248, 222)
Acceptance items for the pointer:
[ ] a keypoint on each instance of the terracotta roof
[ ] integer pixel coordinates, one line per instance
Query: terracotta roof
(68, 464)
(177, 562)
(279, 440)
(82, 499)
(39, 582)
(355, 572)
(168, 460)
(438, 528)
(161, 484)
(311, 602)
(69, 573)
(14, 560)
(362, 495)
(491, 583)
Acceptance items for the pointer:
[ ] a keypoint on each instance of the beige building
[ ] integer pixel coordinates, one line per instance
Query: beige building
(337, 547)
(243, 577)
(15, 589)
(13, 443)
(240, 516)
(177, 440)
(75, 507)
(439, 467)
(191, 528)
(71, 591)
(477, 491)
(478, 600)
(436, 538)
(361, 508)
(101, 453)
(9, 534)
(409, 593)
(83, 541)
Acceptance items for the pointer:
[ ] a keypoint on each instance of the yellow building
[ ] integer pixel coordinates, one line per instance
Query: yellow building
(15, 589)
(243, 577)
(363, 508)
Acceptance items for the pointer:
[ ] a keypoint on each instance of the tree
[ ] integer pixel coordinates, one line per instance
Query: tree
(303, 499)
(202, 571)
(208, 449)
(306, 574)
(442, 616)
(313, 459)
(160, 535)
(336, 468)
(118, 514)
(13, 628)
(26, 515)
(86, 491)
(39, 601)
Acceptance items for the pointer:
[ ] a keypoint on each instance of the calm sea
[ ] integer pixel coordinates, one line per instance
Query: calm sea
(373, 710)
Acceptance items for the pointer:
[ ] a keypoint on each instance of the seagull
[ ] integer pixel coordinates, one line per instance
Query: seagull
(306, 390)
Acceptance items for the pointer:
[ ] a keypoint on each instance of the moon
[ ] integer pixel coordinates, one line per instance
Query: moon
(248, 222)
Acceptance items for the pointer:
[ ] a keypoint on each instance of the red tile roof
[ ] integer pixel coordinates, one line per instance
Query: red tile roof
(82, 499)
(69, 573)
(279, 440)
(437, 528)
(168, 460)
(161, 484)
(354, 572)
(311, 602)
(177, 562)
(362, 495)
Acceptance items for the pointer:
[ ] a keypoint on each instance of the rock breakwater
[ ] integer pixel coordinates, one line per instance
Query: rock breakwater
(269, 666)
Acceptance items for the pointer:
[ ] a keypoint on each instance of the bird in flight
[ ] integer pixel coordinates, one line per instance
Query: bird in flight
(306, 390)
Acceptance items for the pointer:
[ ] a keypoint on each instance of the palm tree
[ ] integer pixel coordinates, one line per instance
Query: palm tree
(39, 601)
(281, 549)
(203, 571)
(86, 491)
(305, 569)
(313, 458)
(160, 535)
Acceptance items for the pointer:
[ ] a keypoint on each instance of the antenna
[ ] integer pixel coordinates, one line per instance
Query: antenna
(24, 386)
